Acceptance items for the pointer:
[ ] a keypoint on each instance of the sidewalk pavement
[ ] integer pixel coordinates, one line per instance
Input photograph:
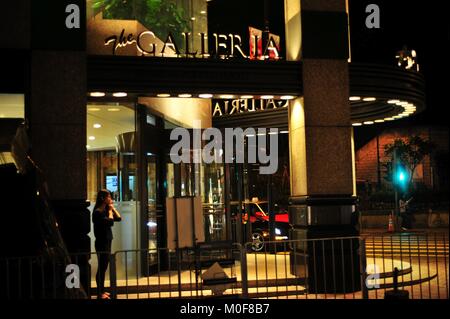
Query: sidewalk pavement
(371, 231)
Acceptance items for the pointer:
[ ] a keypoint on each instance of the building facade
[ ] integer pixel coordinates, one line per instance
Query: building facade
(101, 100)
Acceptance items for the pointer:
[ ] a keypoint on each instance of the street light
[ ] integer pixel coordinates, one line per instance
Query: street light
(399, 181)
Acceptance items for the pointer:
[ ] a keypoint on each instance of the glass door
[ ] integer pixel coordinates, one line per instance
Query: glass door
(152, 211)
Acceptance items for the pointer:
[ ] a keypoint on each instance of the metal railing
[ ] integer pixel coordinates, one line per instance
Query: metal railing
(307, 269)
(420, 258)
(365, 267)
(176, 273)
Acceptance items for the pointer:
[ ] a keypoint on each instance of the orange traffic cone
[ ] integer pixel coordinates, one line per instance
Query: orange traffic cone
(391, 223)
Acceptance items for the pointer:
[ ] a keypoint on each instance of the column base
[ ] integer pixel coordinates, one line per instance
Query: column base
(326, 249)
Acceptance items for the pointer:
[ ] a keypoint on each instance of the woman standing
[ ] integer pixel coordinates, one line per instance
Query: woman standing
(103, 218)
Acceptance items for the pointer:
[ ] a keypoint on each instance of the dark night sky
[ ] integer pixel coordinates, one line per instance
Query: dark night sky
(423, 26)
(420, 25)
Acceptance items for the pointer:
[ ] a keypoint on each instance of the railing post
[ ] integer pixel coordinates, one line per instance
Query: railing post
(113, 275)
(244, 277)
(363, 267)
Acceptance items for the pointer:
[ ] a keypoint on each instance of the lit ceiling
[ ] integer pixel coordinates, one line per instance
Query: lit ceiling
(110, 120)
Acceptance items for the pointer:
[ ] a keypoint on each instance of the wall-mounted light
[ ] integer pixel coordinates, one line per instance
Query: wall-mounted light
(91, 138)
(226, 96)
(357, 124)
(354, 98)
(205, 96)
(287, 97)
(163, 95)
(94, 109)
(97, 125)
(246, 96)
(184, 95)
(369, 99)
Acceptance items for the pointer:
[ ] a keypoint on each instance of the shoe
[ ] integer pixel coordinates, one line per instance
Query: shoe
(104, 296)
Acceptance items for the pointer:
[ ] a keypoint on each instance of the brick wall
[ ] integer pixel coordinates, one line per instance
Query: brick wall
(366, 156)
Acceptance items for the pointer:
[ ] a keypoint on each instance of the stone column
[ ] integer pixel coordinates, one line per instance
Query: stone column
(56, 111)
(322, 200)
(53, 78)
(57, 120)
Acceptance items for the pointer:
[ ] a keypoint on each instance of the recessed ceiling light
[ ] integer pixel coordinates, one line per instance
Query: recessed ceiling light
(389, 119)
(163, 95)
(267, 97)
(369, 99)
(94, 109)
(91, 138)
(284, 132)
(393, 101)
(206, 96)
(403, 103)
(357, 124)
(354, 98)
(368, 123)
(97, 94)
(379, 121)
(184, 95)
(96, 125)
(119, 94)
(113, 109)
(287, 97)
(226, 96)
(246, 96)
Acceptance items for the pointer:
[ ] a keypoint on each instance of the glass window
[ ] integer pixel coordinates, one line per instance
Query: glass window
(12, 106)
(162, 17)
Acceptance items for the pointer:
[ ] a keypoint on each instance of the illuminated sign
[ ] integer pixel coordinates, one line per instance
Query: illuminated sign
(231, 107)
(263, 45)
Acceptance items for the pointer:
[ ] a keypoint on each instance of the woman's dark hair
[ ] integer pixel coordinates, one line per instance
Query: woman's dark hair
(101, 196)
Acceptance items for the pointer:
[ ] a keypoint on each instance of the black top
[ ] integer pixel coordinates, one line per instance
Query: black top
(102, 225)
